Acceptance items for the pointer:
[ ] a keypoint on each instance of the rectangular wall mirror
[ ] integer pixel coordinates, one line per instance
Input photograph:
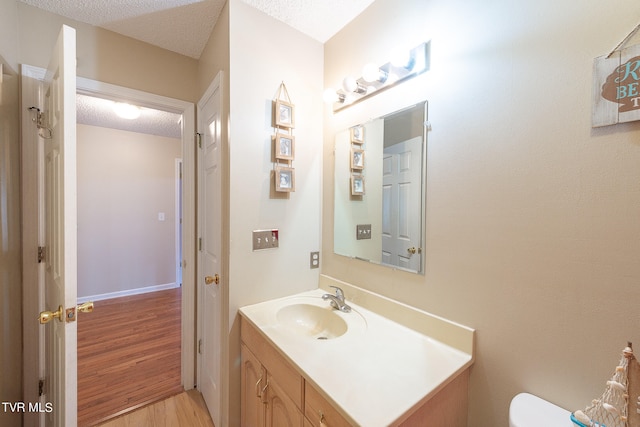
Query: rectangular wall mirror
(380, 190)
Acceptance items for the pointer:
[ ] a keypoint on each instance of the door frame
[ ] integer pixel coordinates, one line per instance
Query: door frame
(32, 88)
(32, 85)
(178, 217)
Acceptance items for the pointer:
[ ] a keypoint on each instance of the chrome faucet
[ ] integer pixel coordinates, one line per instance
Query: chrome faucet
(337, 300)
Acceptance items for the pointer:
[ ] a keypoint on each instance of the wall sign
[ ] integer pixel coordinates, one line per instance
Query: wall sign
(616, 85)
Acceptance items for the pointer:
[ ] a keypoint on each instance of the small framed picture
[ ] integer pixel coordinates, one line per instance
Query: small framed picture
(284, 114)
(285, 179)
(357, 134)
(357, 159)
(357, 185)
(285, 146)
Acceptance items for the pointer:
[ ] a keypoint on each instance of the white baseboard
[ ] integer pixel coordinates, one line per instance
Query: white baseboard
(128, 292)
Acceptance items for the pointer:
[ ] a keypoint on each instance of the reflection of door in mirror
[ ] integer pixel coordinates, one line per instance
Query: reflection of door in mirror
(401, 203)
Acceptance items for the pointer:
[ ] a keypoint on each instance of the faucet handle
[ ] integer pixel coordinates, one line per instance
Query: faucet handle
(339, 292)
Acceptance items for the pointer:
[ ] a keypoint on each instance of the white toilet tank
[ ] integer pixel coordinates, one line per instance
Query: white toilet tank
(527, 410)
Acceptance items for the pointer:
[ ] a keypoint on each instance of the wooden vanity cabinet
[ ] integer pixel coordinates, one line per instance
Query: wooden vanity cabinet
(272, 390)
(280, 409)
(275, 394)
(253, 377)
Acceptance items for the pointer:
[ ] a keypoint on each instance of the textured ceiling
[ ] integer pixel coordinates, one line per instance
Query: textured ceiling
(99, 112)
(319, 19)
(184, 26)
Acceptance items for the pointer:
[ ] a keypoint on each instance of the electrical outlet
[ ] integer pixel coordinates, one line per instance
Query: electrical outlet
(314, 260)
(265, 239)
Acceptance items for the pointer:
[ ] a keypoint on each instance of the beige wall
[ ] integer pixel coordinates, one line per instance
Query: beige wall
(10, 250)
(9, 34)
(107, 56)
(261, 58)
(215, 56)
(532, 233)
(125, 179)
(253, 88)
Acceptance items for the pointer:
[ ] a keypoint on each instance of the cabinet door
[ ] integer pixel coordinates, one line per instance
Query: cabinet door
(319, 412)
(254, 382)
(281, 411)
(288, 378)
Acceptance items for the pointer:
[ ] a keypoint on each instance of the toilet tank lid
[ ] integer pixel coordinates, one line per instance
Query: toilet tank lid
(528, 410)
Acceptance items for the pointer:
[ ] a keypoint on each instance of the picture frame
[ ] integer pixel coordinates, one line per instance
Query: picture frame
(285, 146)
(357, 185)
(284, 114)
(357, 159)
(285, 179)
(357, 134)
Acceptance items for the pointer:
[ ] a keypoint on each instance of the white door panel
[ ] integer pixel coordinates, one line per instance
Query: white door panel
(210, 231)
(60, 222)
(401, 204)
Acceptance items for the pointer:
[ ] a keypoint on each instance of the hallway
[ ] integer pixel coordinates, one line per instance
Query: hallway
(128, 354)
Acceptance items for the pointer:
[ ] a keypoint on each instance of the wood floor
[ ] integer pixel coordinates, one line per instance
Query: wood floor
(186, 409)
(128, 354)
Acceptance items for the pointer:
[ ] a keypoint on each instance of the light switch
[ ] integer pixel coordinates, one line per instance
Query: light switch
(160, 216)
(265, 239)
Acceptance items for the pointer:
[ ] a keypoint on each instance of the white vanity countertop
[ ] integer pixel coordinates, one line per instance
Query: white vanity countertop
(376, 371)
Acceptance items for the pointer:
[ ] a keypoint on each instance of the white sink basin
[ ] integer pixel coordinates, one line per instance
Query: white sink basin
(312, 321)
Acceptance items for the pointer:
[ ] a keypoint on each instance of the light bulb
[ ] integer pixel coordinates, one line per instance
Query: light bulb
(372, 73)
(126, 111)
(351, 85)
(330, 96)
(402, 59)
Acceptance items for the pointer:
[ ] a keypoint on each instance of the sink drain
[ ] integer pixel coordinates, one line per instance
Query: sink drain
(322, 338)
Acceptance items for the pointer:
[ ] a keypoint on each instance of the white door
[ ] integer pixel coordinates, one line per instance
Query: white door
(402, 204)
(60, 223)
(209, 278)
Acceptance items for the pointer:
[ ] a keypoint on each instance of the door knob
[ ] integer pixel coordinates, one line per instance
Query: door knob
(47, 316)
(212, 279)
(86, 307)
(412, 250)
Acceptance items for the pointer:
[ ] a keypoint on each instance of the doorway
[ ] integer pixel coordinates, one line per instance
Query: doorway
(34, 370)
(129, 347)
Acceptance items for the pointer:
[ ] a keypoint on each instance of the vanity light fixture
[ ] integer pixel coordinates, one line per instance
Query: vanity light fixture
(375, 79)
(402, 59)
(349, 84)
(372, 73)
(126, 111)
(330, 96)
